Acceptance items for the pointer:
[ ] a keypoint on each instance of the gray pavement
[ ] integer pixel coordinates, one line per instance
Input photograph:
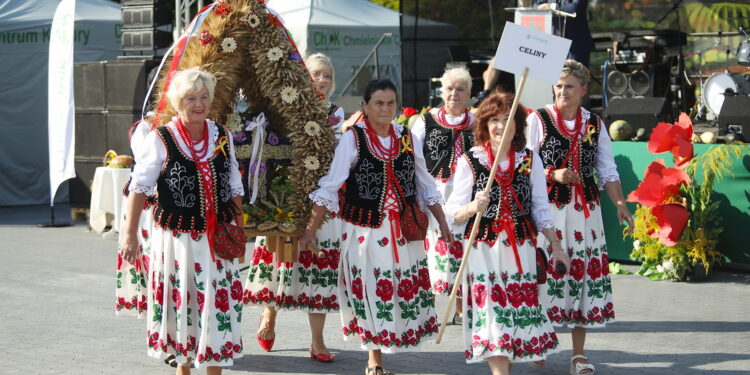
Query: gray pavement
(56, 317)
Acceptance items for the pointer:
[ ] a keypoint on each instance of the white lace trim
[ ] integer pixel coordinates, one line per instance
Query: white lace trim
(425, 202)
(544, 224)
(609, 178)
(479, 153)
(331, 205)
(142, 189)
(237, 191)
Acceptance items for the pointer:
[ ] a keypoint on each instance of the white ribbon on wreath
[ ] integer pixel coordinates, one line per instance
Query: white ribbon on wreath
(258, 125)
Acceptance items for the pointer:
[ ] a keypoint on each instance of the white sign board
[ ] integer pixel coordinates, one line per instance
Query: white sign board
(521, 47)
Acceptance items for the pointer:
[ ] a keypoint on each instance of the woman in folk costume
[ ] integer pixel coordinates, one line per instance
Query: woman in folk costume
(131, 289)
(576, 151)
(445, 134)
(310, 283)
(504, 321)
(384, 283)
(195, 308)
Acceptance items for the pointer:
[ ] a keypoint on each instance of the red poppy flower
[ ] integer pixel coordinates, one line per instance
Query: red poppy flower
(674, 138)
(408, 112)
(672, 219)
(658, 184)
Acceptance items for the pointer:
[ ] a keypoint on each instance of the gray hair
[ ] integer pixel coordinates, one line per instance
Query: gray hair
(325, 61)
(188, 81)
(458, 74)
(576, 69)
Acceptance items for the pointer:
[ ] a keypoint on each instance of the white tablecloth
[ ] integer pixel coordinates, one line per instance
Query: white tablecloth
(106, 198)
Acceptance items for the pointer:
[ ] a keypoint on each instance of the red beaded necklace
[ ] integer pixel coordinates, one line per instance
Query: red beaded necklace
(503, 177)
(199, 153)
(377, 146)
(574, 134)
(442, 120)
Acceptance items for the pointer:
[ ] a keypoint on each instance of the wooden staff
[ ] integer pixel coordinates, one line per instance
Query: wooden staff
(501, 151)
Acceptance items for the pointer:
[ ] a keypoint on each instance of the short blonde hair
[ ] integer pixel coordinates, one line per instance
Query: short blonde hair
(188, 81)
(458, 74)
(325, 61)
(576, 69)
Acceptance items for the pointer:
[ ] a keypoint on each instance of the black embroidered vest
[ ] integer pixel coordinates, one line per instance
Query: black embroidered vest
(366, 185)
(439, 151)
(520, 192)
(554, 149)
(332, 109)
(180, 200)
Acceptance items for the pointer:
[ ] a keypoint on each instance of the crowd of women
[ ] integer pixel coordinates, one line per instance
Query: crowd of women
(543, 210)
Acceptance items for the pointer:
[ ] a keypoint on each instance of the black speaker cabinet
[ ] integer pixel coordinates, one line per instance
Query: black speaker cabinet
(127, 83)
(636, 81)
(639, 112)
(735, 116)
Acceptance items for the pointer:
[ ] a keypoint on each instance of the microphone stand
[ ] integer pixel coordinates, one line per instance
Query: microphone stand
(680, 58)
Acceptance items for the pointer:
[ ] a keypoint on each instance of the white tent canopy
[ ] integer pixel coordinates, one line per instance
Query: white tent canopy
(24, 45)
(346, 31)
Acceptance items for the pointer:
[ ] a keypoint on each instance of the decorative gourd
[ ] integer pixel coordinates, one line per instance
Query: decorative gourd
(621, 130)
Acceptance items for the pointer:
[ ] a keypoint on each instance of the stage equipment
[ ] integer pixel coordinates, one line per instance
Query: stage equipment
(108, 97)
(641, 113)
(721, 86)
(743, 50)
(735, 117)
(140, 20)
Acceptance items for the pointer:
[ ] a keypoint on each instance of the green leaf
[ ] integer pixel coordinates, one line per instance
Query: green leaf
(618, 269)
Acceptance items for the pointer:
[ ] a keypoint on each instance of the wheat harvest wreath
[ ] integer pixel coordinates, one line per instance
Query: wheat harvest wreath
(282, 132)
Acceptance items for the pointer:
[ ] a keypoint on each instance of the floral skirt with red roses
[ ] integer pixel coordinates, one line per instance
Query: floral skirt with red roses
(583, 297)
(443, 260)
(310, 284)
(132, 280)
(388, 304)
(195, 306)
(502, 313)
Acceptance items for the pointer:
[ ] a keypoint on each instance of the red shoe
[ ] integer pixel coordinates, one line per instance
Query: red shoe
(320, 356)
(266, 344)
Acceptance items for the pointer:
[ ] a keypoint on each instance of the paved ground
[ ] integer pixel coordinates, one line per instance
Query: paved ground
(56, 317)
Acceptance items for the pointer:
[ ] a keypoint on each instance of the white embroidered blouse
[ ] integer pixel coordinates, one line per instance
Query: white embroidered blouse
(345, 157)
(463, 186)
(150, 154)
(606, 169)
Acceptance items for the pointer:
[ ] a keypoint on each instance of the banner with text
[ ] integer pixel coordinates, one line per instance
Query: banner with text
(61, 112)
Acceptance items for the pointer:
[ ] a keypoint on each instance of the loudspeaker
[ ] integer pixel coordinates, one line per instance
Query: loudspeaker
(639, 112)
(734, 116)
(127, 83)
(636, 81)
(140, 19)
(90, 88)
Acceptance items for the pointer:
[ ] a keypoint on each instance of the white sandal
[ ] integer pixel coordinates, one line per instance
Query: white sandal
(576, 368)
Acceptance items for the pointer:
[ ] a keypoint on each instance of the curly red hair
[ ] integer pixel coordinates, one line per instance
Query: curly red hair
(496, 105)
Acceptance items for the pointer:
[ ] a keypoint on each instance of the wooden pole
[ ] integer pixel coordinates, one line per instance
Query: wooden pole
(502, 151)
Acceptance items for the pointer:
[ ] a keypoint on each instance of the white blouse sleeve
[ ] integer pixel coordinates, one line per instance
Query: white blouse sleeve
(428, 194)
(339, 125)
(138, 138)
(534, 132)
(606, 169)
(345, 155)
(418, 130)
(540, 206)
(463, 186)
(235, 178)
(149, 164)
